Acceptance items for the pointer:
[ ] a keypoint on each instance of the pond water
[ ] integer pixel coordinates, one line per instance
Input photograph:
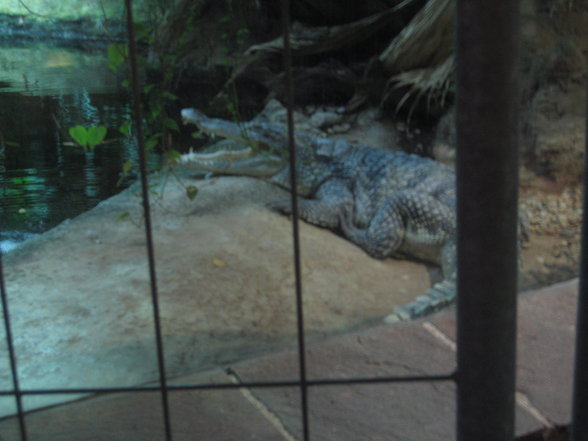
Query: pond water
(44, 179)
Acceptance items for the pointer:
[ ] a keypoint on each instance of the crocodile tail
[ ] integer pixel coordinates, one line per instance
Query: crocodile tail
(434, 299)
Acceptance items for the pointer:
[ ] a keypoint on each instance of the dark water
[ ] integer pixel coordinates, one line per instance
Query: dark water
(44, 180)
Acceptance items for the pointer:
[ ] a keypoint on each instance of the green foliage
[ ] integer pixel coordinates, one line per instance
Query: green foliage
(125, 128)
(155, 98)
(127, 167)
(117, 55)
(122, 216)
(172, 155)
(88, 138)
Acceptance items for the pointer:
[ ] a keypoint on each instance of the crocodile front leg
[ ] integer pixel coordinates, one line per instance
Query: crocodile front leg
(325, 209)
(437, 297)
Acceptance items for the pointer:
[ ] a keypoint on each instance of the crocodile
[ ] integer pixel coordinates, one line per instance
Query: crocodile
(390, 203)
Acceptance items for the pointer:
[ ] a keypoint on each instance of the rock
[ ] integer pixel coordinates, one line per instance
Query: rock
(324, 119)
(80, 297)
(340, 128)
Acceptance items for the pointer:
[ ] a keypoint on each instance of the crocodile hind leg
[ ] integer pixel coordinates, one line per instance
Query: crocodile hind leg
(434, 299)
(419, 226)
(439, 296)
(408, 222)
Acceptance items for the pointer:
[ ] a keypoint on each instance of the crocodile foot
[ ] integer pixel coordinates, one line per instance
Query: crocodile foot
(284, 206)
(434, 299)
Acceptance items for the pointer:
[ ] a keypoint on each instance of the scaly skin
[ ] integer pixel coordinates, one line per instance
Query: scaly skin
(388, 203)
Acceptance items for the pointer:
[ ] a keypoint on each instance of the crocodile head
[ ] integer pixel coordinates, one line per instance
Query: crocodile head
(240, 154)
(263, 152)
(259, 135)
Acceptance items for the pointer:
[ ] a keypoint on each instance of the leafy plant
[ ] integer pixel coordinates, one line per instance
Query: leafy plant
(88, 138)
(117, 56)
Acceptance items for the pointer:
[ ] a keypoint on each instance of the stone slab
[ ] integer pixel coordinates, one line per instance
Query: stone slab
(545, 351)
(547, 334)
(415, 411)
(221, 415)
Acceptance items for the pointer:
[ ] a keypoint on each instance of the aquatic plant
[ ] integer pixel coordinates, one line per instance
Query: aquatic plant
(88, 138)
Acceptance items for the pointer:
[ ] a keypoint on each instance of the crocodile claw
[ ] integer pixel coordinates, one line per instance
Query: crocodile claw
(284, 206)
(345, 221)
(435, 298)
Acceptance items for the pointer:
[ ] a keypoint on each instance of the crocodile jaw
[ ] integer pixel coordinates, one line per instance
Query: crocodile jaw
(254, 134)
(242, 162)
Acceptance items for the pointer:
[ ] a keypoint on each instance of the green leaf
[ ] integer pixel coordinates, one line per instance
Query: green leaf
(125, 129)
(231, 107)
(197, 134)
(79, 135)
(191, 192)
(148, 88)
(151, 143)
(95, 135)
(12, 144)
(155, 113)
(142, 31)
(168, 95)
(172, 155)
(117, 55)
(122, 216)
(127, 166)
(171, 124)
(88, 138)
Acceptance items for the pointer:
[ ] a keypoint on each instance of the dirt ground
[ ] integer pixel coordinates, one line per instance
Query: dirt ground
(554, 75)
(553, 138)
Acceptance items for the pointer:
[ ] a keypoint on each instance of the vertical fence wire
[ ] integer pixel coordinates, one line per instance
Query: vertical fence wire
(295, 219)
(579, 428)
(487, 187)
(138, 114)
(12, 355)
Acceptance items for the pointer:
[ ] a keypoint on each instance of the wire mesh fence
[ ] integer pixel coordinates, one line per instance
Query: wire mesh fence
(486, 342)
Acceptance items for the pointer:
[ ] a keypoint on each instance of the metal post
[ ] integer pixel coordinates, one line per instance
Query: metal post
(487, 181)
(579, 430)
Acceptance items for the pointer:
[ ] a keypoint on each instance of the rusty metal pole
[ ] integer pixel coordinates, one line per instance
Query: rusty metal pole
(579, 430)
(487, 182)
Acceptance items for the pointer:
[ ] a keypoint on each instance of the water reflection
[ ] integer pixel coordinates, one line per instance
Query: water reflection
(42, 69)
(43, 179)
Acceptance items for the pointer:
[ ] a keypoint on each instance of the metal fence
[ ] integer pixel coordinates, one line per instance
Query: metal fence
(487, 170)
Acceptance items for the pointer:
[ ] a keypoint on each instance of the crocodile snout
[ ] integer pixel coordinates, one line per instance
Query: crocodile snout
(191, 116)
